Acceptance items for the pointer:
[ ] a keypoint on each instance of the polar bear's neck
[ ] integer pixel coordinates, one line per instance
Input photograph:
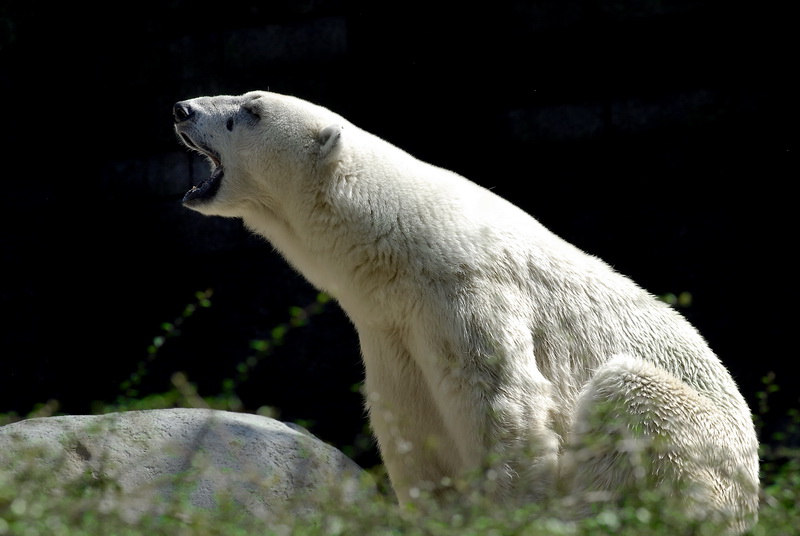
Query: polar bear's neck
(382, 219)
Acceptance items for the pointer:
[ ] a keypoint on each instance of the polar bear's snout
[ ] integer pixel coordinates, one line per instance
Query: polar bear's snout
(185, 116)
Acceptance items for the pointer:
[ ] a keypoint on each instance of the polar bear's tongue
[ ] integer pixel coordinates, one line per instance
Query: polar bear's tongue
(206, 189)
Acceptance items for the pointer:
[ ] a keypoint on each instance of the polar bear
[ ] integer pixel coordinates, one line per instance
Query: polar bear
(490, 345)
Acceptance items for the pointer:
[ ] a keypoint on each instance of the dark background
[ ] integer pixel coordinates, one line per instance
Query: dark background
(658, 135)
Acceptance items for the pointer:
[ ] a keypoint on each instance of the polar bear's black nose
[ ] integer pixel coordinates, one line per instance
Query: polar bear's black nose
(182, 111)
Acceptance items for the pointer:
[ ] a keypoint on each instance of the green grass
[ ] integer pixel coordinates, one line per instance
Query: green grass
(33, 501)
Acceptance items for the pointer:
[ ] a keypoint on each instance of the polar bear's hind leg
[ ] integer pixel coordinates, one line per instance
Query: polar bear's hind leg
(637, 427)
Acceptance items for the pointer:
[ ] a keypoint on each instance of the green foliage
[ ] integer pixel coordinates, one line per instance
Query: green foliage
(684, 299)
(79, 510)
(91, 504)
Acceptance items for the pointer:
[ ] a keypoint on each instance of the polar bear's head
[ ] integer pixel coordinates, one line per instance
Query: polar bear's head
(260, 146)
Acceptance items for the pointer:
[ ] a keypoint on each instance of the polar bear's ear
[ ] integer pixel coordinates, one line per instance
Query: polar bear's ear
(330, 142)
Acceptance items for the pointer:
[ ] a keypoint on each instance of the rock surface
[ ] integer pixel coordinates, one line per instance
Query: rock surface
(157, 461)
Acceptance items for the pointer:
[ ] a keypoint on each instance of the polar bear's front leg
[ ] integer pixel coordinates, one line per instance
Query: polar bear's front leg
(520, 449)
(414, 443)
(440, 422)
(498, 407)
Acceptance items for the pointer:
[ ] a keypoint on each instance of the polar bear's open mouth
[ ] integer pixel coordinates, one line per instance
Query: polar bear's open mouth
(208, 188)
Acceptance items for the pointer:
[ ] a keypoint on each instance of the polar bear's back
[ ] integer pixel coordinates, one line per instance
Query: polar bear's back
(449, 231)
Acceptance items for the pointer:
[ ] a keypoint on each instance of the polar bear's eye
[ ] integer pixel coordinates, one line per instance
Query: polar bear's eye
(229, 124)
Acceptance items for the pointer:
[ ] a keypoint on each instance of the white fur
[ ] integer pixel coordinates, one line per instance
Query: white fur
(489, 343)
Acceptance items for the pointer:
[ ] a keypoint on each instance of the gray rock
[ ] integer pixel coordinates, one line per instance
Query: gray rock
(160, 461)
